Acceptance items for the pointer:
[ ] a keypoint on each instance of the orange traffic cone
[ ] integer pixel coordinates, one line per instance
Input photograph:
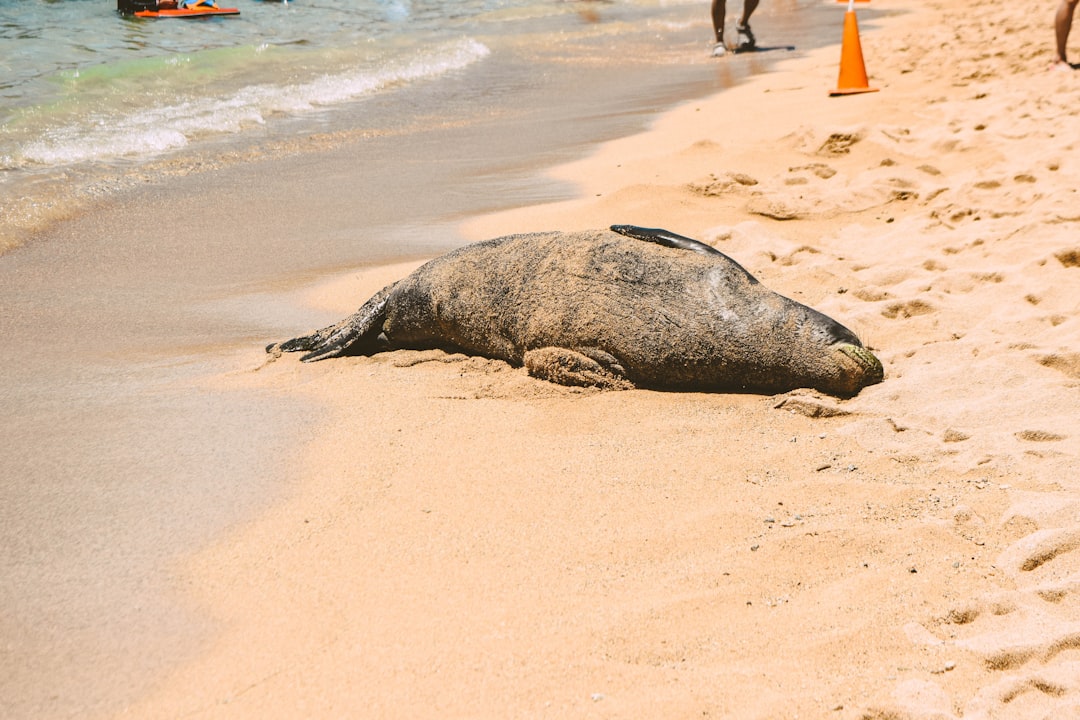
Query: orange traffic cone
(852, 69)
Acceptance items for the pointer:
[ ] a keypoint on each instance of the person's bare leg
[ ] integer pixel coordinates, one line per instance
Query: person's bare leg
(1062, 25)
(746, 36)
(719, 8)
(748, 8)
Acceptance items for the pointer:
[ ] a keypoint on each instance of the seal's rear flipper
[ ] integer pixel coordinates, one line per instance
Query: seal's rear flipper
(665, 238)
(357, 334)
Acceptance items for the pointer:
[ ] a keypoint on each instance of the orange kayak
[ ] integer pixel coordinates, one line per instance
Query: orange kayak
(187, 12)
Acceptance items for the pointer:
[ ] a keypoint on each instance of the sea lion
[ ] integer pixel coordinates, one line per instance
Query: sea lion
(603, 308)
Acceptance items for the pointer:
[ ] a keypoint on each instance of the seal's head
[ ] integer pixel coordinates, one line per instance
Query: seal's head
(840, 364)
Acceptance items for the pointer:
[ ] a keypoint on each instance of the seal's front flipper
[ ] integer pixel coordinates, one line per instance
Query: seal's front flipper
(570, 367)
(665, 238)
(357, 334)
(673, 240)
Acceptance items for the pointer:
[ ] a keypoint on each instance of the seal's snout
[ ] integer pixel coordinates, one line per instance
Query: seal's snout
(851, 368)
(872, 371)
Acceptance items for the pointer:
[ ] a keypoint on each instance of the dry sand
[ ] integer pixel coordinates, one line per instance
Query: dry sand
(465, 541)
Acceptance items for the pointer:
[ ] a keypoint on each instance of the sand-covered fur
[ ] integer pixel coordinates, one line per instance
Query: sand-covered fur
(603, 309)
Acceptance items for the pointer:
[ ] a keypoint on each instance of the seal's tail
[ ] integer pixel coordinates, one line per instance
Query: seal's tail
(356, 334)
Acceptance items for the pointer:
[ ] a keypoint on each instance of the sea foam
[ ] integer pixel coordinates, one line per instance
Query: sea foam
(149, 131)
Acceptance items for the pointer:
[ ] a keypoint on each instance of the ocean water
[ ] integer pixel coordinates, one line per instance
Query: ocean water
(83, 83)
(89, 96)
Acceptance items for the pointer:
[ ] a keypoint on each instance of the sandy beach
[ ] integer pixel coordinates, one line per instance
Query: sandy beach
(460, 540)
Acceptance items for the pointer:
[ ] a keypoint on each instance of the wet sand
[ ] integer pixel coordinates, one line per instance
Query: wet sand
(459, 540)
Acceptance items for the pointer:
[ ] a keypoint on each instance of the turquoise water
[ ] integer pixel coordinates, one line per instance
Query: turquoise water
(82, 83)
(89, 97)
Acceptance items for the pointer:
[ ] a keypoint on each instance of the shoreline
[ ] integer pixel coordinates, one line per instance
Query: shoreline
(41, 201)
(460, 540)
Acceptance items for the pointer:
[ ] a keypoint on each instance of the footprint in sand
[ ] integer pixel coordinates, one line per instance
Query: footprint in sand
(717, 185)
(1067, 363)
(907, 309)
(1019, 648)
(871, 294)
(1069, 258)
(1038, 436)
(821, 170)
(838, 143)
